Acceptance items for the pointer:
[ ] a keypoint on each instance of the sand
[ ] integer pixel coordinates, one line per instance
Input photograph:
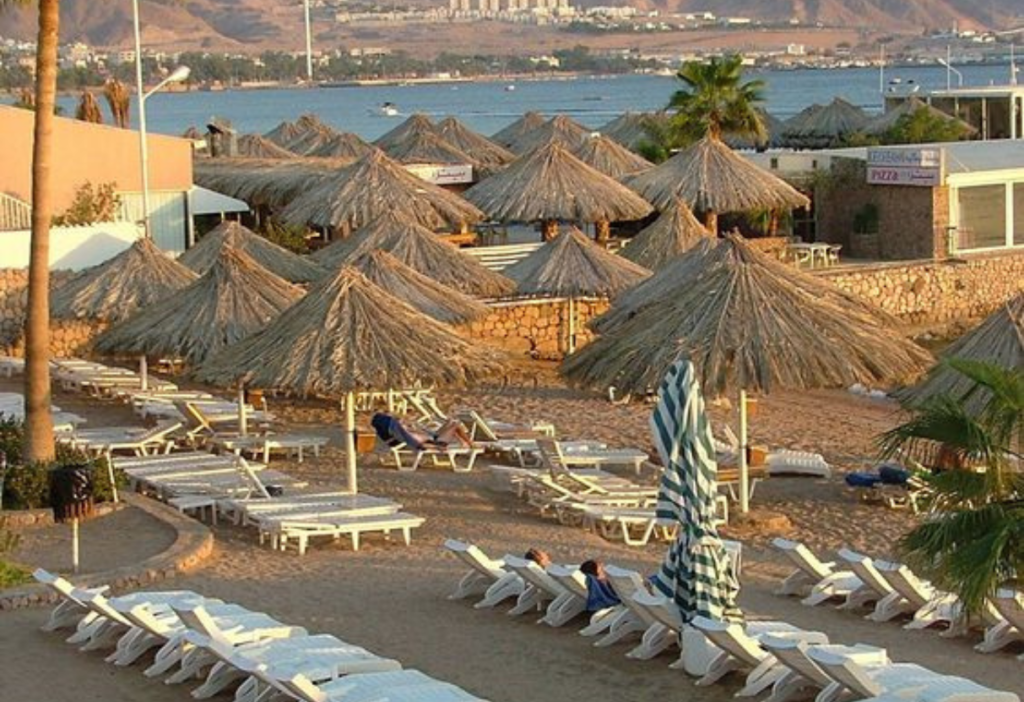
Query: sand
(392, 599)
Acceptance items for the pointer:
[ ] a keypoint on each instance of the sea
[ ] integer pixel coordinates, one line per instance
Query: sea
(487, 106)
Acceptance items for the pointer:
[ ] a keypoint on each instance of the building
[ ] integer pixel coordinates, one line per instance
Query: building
(996, 111)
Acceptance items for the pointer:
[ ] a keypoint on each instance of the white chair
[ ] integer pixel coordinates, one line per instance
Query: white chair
(930, 606)
(802, 672)
(874, 588)
(542, 592)
(485, 576)
(624, 621)
(822, 579)
(396, 687)
(1009, 605)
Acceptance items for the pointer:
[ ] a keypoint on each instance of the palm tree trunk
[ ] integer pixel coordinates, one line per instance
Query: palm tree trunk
(38, 421)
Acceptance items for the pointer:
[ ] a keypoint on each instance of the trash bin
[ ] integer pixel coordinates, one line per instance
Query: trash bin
(71, 492)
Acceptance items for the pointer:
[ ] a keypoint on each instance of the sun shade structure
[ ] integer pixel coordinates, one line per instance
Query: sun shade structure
(488, 155)
(256, 146)
(415, 125)
(551, 184)
(751, 322)
(265, 183)
(711, 178)
(630, 129)
(610, 157)
(674, 233)
(139, 276)
(233, 299)
(276, 259)
(284, 132)
(427, 147)
(308, 133)
(420, 249)
(425, 294)
(560, 128)
(882, 123)
(773, 127)
(819, 127)
(372, 186)
(342, 145)
(998, 340)
(511, 134)
(349, 335)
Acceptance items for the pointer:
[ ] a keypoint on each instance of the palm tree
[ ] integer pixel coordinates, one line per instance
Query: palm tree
(975, 541)
(89, 109)
(38, 422)
(119, 99)
(715, 102)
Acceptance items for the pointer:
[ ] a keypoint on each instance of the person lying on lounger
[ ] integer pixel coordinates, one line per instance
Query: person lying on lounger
(393, 431)
(539, 557)
(600, 594)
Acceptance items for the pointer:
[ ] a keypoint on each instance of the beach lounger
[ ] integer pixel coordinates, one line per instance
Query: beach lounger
(928, 605)
(398, 686)
(141, 442)
(566, 504)
(822, 580)
(575, 582)
(248, 510)
(351, 507)
(261, 445)
(542, 593)
(634, 526)
(789, 462)
(874, 588)
(636, 618)
(439, 455)
(301, 530)
(10, 366)
(485, 576)
(491, 430)
(740, 650)
(1009, 604)
(552, 455)
(804, 674)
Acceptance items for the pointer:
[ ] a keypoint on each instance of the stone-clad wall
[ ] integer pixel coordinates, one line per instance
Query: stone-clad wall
(537, 327)
(936, 292)
(67, 338)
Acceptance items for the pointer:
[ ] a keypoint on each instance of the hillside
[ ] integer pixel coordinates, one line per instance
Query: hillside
(259, 24)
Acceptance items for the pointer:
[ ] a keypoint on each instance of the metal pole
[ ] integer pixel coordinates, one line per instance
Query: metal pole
(572, 326)
(881, 73)
(143, 373)
(309, 43)
(744, 473)
(350, 442)
(143, 148)
(949, 67)
(74, 546)
(243, 420)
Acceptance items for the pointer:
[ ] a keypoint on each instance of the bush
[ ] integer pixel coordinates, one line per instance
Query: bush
(10, 574)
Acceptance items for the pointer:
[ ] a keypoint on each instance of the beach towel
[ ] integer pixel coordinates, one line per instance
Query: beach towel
(391, 431)
(862, 480)
(600, 595)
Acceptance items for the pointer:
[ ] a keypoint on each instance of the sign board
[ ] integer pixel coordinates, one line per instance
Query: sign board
(443, 174)
(913, 167)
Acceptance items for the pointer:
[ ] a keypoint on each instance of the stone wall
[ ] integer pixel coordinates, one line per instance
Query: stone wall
(936, 292)
(539, 328)
(67, 337)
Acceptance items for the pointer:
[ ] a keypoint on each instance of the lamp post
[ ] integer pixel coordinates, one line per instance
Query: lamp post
(309, 44)
(179, 74)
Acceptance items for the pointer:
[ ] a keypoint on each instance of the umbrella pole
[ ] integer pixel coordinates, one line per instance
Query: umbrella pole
(143, 373)
(74, 546)
(572, 327)
(350, 441)
(243, 421)
(744, 472)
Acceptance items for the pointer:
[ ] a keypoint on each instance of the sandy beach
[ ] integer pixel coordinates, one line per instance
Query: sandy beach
(392, 599)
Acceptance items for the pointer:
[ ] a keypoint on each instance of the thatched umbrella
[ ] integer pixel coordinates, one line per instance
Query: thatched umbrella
(415, 125)
(711, 179)
(233, 299)
(270, 183)
(551, 184)
(818, 127)
(284, 132)
(138, 277)
(88, 109)
(487, 155)
(276, 259)
(372, 186)
(631, 129)
(441, 302)
(342, 145)
(512, 133)
(349, 335)
(572, 266)
(560, 128)
(420, 249)
(427, 147)
(312, 141)
(610, 157)
(773, 127)
(998, 340)
(256, 146)
(750, 322)
(883, 123)
(674, 233)
(192, 133)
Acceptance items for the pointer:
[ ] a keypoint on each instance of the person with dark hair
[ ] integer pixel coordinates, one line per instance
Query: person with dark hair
(393, 431)
(600, 594)
(539, 557)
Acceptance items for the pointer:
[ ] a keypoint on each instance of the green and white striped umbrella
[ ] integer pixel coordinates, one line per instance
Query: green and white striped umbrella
(696, 572)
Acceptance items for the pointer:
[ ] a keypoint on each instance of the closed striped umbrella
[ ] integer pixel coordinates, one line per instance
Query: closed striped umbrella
(696, 571)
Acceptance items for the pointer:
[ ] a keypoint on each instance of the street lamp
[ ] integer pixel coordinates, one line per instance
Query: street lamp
(948, 63)
(179, 75)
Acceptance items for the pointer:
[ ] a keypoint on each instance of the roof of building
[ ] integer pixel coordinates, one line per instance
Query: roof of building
(961, 156)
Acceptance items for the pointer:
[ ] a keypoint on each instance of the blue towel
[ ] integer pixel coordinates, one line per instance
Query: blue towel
(600, 595)
(893, 475)
(865, 480)
(391, 431)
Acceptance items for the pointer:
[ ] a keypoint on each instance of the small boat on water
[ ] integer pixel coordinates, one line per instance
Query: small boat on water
(509, 88)
(388, 109)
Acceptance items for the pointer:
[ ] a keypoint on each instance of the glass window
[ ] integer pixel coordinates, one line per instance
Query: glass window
(1018, 214)
(982, 217)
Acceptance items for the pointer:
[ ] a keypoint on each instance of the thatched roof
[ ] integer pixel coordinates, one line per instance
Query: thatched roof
(552, 184)
(709, 176)
(192, 133)
(512, 133)
(749, 321)
(276, 259)
(441, 302)
(349, 335)
(427, 147)
(256, 146)
(284, 132)
(139, 276)
(486, 154)
(420, 249)
(304, 135)
(233, 299)
(819, 126)
(372, 186)
(610, 157)
(884, 122)
(415, 125)
(998, 340)
(560, 128)
(674, 233)
(773, 127)
(269, 183)
(342, 145)
(630, 129)
(571, 265)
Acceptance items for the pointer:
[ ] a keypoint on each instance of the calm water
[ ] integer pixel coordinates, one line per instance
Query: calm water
(487, 107)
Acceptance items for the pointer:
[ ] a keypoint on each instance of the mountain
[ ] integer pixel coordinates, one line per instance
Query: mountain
(257, 24)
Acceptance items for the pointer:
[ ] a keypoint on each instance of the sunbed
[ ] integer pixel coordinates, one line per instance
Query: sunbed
(634, 526)
(874, 588)
(1010, 606)
(485, 576)
(139, 441)
(246, 510)
(301, 530)
(350, 507)
(359, 688)
(542, 593)
(821, 579)
(553, 455)
(802, 672)
(928, 605)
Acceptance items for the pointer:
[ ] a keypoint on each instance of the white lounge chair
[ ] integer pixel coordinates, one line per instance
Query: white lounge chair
(396, 688)
(140, 441)
(789, 462)
(439, 456)
(1009, 604)
(486, 576)
(874, 588)
(542, 592)
(553, 455)
(656, 636)
(272, 523)
(930, 606)
(803, 673)
(822, 579)
(301, 530)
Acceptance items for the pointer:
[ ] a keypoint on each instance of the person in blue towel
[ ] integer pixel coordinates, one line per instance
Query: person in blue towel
(392, 431)
(600, 594)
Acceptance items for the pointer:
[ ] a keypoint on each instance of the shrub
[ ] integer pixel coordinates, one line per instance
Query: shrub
(90, 206)
(10, 574)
